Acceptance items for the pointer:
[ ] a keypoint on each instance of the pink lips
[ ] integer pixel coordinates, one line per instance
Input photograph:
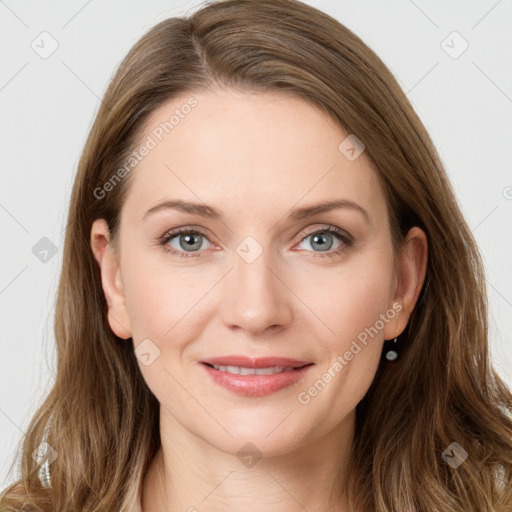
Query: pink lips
(256, 385)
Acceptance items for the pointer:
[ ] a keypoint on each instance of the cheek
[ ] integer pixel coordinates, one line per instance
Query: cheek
(349, 299)
(158, 300)
(354, 305)
(158, 297)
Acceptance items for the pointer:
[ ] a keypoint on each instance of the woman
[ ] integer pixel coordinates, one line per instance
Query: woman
(269, 299)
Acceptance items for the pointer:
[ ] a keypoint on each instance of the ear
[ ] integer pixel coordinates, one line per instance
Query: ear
(111, 279)
(411, 266)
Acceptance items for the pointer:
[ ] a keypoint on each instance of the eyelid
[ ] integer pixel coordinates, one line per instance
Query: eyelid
(171, 233)
(329, 228)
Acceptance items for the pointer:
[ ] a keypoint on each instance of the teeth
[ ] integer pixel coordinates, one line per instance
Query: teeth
(237, 370)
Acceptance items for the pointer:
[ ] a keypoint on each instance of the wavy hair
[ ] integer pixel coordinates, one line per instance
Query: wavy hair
(102, 418)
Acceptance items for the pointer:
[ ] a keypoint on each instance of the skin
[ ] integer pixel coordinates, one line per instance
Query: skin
(254, 157)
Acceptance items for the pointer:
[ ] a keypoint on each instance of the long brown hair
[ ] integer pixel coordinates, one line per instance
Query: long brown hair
(442, 390)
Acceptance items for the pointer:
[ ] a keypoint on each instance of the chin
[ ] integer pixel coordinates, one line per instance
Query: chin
(270, 436)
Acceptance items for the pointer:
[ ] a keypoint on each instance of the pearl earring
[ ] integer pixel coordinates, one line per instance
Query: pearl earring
(392, 355)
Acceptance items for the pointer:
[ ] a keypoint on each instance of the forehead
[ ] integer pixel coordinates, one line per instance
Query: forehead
(247, 151)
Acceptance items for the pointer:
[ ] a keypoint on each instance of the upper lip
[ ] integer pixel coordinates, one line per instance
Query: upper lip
(256, 362)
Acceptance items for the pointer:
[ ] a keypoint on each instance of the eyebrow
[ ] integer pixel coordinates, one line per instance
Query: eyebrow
(303, 212)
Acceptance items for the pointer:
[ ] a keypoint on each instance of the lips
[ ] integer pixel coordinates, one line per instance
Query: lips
(255, 377)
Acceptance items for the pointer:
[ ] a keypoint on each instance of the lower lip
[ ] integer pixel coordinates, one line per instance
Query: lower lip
(256, 385)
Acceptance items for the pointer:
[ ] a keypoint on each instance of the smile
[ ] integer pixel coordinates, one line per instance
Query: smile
(255, 382)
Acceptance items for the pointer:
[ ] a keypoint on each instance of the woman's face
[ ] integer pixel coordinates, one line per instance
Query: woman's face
(255, 272)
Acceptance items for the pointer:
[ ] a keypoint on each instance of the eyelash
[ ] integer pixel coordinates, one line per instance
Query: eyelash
(341, 235)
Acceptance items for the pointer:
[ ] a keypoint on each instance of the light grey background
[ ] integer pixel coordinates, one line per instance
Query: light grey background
(48, 104)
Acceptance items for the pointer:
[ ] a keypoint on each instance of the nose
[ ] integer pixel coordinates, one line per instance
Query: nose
(256, 296)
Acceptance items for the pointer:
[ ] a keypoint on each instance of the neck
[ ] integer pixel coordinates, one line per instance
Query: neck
(189, 474)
